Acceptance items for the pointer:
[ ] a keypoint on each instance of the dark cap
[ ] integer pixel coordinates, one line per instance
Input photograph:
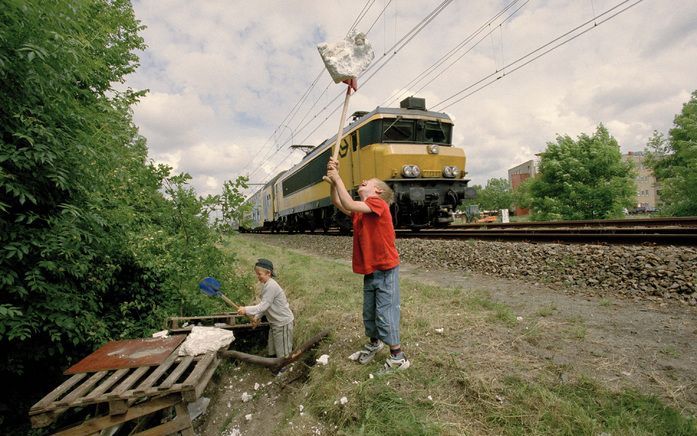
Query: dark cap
(266, 264)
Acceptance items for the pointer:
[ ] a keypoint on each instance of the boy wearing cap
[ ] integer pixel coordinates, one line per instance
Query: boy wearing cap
(275, 306)
(375, 256)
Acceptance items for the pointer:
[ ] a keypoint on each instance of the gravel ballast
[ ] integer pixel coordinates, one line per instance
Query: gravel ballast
(652, 272)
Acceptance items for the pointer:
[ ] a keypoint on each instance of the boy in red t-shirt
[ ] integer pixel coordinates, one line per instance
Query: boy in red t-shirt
(375, 256)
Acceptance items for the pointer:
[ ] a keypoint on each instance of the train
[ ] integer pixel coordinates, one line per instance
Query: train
(409, 147)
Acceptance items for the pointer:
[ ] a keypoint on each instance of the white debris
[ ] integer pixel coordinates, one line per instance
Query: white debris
(343, 400)
(248, 417)
(256, 386)
(267, 384)
(246, 397)
(371, 376)
(235, 431)
(301, 407)
(355, 356)
(198, 407)
(518, 318)
(439, 330)
(229, 404)
(203, 340)
(323, 359)
(160, 334)
(430, 398)
(347, 58)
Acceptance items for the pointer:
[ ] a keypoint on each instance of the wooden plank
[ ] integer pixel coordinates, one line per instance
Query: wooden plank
(192, 395)
(130, 381)
(201, 366)
(82, 389)
(57, 392)
(174, 376)
(181, 423)
(159, 371)
(108, 383)
(102, 422)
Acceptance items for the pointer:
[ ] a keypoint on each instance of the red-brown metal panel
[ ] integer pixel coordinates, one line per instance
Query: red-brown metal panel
(130, 353)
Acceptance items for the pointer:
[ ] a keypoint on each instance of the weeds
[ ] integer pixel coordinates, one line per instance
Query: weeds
(470, 379)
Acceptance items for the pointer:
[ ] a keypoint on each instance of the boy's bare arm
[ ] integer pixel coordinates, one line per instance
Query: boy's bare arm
(348, 203)
(333, 165)
(336, 201)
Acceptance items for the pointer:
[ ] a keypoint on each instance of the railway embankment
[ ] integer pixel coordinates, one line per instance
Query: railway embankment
(634, 271)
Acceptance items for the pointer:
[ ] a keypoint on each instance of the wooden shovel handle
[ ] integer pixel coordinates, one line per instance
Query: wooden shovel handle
(339, 134)
(229, 301)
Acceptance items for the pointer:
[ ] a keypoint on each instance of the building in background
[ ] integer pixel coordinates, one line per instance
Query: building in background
(647, 195)
(518, 175)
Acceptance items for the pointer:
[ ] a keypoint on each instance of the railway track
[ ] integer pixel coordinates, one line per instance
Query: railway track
(674, 231)
(659, 231)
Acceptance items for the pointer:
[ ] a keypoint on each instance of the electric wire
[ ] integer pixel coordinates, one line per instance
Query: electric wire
(434, 67)
(441, 104)
(396, 47)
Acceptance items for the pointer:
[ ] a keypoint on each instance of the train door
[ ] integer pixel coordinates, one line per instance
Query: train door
(354, 155)
(346, 163)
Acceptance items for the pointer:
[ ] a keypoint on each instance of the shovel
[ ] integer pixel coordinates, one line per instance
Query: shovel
(344, 61)
(211, 287)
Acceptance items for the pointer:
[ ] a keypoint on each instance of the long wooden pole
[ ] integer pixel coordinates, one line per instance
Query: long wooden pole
(340, 133)
(278, 362)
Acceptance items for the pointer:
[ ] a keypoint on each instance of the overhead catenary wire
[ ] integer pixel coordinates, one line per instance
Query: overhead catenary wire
(396, 47)
(289, 117)
(441, 106)
(435, 66)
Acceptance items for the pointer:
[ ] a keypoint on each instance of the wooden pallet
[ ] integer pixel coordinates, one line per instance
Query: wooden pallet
(185, 376)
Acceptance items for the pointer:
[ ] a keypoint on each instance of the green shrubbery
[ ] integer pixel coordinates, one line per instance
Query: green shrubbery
(96, 242)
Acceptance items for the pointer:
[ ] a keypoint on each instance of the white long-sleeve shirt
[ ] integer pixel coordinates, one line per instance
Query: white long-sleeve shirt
(273, 304)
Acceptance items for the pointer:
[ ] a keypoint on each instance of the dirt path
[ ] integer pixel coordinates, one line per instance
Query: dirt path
(649, 346)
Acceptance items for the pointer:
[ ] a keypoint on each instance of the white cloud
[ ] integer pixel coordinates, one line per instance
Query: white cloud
(224, 74)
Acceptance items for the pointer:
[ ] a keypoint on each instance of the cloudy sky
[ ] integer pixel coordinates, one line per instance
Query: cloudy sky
(234, 83)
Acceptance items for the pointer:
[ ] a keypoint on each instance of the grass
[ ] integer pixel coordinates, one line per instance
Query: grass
(471, 379)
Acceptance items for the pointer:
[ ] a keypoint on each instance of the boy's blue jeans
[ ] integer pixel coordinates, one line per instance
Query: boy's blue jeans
(381, 305)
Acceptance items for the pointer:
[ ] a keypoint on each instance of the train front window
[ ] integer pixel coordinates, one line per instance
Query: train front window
(437, 132)
(397, 130)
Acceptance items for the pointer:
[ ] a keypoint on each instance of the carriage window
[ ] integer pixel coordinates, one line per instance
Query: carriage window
(437, 132)
(398, 130)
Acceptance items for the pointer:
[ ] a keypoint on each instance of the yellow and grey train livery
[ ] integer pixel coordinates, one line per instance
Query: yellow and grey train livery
(409, 147)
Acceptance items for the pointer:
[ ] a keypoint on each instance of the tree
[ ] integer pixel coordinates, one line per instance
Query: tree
(233, 206)
(583, 179)
(674, 162)
(496, 195)
(90, 248)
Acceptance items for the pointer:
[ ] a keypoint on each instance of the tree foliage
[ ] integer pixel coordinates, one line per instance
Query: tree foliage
(583, 179)
(496, 195)
(96, 243)
(674, 162)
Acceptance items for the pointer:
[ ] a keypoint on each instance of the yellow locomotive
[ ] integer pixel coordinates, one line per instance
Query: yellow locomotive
(409, 147)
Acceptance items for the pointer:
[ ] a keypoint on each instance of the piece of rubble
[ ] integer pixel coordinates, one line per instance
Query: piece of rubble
(203, 340)
(347, 58)
(323, 359)
(246, 397)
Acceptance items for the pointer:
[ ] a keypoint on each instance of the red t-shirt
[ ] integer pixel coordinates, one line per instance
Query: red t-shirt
(373, 238)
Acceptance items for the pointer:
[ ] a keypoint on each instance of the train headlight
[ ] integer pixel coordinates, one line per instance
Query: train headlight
(451, 172)
(433, 149)
(411, 171)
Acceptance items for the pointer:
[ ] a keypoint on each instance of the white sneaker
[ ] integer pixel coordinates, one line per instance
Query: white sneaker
(393, 364)
(369, 351)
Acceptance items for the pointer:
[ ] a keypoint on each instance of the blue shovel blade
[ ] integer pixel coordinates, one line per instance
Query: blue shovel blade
(210, 286)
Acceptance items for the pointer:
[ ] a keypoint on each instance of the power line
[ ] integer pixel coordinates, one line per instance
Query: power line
(528, 61)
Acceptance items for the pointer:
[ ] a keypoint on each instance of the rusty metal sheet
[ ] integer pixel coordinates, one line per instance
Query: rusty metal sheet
(130, 353)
